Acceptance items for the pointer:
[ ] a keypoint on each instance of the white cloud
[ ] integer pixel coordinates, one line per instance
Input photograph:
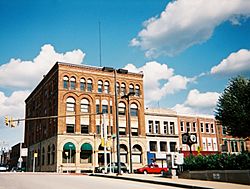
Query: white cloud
(235, 63)
(12, 106)
(26, 74)
(185, 23)
(159, 80)
(198, 103)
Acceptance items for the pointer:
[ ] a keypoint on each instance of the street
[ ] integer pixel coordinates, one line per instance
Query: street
(64, 181)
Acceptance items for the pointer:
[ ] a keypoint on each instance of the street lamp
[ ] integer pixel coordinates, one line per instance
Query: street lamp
(122, 71)
(129, 129)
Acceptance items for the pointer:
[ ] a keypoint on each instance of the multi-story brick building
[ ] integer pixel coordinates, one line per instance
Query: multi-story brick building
(69, 105)
(161, 134)
(205, 129)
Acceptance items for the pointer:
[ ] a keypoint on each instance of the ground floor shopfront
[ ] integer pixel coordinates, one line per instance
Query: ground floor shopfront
(78, 153)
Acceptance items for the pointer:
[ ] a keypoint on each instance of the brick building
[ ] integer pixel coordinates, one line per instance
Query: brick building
(69, 104)
(205, 129)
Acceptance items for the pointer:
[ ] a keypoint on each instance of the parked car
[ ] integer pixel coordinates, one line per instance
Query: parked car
(152, 169)
(3, 168)
(114, 168)
(18, 169)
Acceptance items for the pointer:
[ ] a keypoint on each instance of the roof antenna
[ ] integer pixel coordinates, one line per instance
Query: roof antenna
(100, 44)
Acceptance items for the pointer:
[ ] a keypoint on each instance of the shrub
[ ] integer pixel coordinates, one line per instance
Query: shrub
(217, 162)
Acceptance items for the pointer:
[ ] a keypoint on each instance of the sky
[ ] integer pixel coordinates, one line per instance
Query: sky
(188, 50)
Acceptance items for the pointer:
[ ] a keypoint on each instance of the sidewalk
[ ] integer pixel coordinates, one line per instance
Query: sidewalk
(177, 182)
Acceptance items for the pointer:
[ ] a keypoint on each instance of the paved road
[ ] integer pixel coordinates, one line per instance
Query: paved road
(65, 181)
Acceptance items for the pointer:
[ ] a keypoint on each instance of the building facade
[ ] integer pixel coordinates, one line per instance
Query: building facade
(162, 134)
(66, 112)
(206, 132)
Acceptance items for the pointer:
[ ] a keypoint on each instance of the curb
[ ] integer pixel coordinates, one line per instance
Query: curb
(151, 181)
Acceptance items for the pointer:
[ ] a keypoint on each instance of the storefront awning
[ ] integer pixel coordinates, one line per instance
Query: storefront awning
(69, 146)
(86, 146)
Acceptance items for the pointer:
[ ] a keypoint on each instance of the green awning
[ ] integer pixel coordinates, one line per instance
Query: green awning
(86, 146)
(69, 146)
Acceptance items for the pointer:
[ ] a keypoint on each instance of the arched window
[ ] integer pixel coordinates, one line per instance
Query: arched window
(65, 82)
(86, 153)
(124, 153)
(131, 88)
(53, 153)
(70, 104)
(69, 152)
(82, 84)
(106, 87)
(85, 105)
(123, 89)
(121, 108)
(117, 88)
(89, 85)
(43, 156)
(100, 86)
(133, 110)
(137, 154)
(137, 90)
(73, 83)
(104, 106)
(48, 155)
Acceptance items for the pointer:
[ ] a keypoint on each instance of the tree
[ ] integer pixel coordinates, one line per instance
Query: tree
(233, 107)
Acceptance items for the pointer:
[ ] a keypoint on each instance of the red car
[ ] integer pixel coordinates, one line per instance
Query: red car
(152, 169)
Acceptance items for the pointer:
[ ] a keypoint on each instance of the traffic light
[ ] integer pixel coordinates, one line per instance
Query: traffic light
(12, 123)
(6, 121)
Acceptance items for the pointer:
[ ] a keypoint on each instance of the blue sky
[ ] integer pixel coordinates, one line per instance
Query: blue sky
(187, 49)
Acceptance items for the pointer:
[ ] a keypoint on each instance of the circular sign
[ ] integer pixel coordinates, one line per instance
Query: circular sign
(193, 138)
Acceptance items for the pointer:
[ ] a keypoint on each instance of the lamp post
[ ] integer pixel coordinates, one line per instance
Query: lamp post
(123, 71)
(129, 130)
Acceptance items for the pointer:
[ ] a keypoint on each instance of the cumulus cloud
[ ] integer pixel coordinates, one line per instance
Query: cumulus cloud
(235, 63)
(26, 74)
(198, 103)
(13, 106)
(159, 80)
(185, 23)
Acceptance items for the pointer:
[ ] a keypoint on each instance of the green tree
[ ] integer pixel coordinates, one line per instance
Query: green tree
(233, 107)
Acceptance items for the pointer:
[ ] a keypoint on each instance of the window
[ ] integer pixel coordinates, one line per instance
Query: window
(89, 85)
(117, 88)
(98, 129)
(150, 126)
(43, 156)
(153, 146)
(121, 108)
(131, 88)
(123, 89)
(122, 131)
(53, 153)
(70, 104)
(165, 127)
(163, 146)
(137, 90)
(172, 146)
(171, 130)
(207, 128)
(86, 153)
(136, 154)
(68, 154)
(202, 127)
(106, 87)
(48, 155)
(188, 126)
(84, 129)
(133, 110)
(212, 128)
(194, 126)
(65, 82)
(182, 126)
(82, 84)
(72, 83)
(104, 106)
(224, 130)
(70, 128)
(242, 146)
(84, 106)
(234, 146)
(99, 86)
(157, 127)
(134, 131)
(97, 106)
